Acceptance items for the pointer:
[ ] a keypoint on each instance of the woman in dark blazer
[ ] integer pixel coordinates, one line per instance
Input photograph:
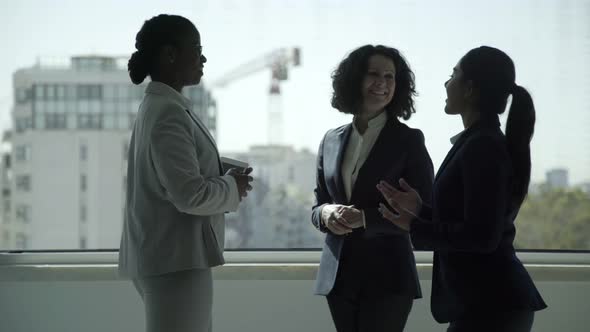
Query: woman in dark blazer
(367, 270)
(478, 283)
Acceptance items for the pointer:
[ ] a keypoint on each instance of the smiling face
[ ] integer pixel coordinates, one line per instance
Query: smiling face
(378, 85)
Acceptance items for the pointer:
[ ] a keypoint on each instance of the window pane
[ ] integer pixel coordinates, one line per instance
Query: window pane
(50, 106)
(83, 152)
(71, 92)
(60, 92)
(123, 121)
(83, 182)
(50, 91)
(271, 110)
(84, 106)
(40, 106)
(23, 183)
(83, 213)
(39, 121)
(23, 95)
(39, 92)
(109, 92)
(23, 213)
(21, 241)
(95, 92)
(95, 106)
(123, 92)
(71, 121)
(22, 153)
(109, 121)
(60, 106)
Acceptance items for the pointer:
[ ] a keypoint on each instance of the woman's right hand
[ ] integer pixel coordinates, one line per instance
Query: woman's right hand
(405, 201)
(332, 219)
(243, 180)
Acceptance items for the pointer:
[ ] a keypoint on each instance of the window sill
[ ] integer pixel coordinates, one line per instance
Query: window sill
(254, 265)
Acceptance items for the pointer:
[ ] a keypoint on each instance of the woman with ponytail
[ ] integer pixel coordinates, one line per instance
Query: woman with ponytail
(177, 193)
(478, 282)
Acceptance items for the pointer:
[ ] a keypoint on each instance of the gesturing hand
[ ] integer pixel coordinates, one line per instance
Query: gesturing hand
(407, 203)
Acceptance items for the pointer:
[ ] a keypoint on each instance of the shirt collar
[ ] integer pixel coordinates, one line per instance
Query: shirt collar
(165, 90)
(455, 138)
(375, 123)
(486, 120)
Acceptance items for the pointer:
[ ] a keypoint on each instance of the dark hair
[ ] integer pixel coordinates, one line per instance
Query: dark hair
(159, 31)
(493, 75)
(347, 79)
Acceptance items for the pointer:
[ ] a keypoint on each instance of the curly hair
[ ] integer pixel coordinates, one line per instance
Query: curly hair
(347, 79)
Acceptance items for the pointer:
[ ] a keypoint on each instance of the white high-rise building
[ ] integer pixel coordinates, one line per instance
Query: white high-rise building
(67, 165)
(5, 212)
(276, 213)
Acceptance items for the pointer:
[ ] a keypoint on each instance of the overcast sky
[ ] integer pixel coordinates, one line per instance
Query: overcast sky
(549, 41)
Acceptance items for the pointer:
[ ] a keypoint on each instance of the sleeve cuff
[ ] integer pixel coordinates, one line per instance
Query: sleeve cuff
(234, 195)
(320, 219)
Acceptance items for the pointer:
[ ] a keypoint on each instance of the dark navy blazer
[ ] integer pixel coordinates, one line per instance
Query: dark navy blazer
(470, 227)
(378, 259)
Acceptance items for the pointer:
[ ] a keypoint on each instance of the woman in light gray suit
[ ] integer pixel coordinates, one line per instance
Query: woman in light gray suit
(177, 194)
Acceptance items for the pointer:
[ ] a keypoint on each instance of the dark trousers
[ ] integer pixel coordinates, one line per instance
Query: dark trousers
(386, 313)
(521, 321)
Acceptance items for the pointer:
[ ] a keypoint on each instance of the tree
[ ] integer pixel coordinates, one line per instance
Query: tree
(554, 219)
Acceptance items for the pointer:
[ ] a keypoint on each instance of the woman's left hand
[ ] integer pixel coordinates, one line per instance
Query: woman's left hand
(351, 216)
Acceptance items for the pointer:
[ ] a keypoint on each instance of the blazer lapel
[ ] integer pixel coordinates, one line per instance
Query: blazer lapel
(203, 129)
(342, 141)
(209, 137)
(450, 155)
(486, 121)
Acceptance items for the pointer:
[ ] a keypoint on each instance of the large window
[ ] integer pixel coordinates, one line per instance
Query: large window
(89, 104)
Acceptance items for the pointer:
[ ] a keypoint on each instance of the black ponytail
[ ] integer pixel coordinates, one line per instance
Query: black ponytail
(492, 73)
(520, 127)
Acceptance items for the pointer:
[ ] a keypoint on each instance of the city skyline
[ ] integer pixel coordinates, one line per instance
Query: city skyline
(87, 109)
(251, 29)
(65, 177)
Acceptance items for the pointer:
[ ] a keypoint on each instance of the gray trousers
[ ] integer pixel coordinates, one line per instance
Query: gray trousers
(177, 302)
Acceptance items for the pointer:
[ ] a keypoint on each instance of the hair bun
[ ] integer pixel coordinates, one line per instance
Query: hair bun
(138, 67)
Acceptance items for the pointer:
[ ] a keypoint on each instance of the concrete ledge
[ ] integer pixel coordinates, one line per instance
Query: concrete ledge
(253, 265)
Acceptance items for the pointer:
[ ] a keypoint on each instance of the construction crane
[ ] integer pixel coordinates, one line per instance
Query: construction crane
(278, 61)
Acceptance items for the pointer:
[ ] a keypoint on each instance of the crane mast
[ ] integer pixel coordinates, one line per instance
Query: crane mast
(279, 62)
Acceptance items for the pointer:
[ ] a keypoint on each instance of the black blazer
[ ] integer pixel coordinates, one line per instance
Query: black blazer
(470, 227)
(379, 258)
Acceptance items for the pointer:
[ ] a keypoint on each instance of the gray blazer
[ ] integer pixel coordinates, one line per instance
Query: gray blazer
(176, 191)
